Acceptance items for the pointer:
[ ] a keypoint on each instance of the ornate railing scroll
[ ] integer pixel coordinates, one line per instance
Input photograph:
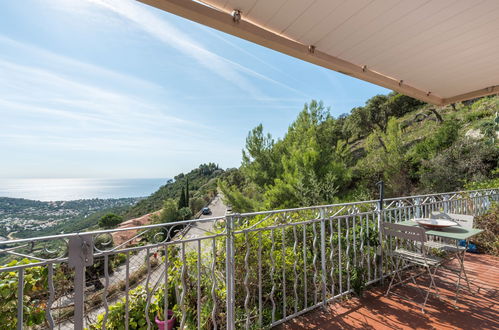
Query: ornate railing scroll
(252, 270)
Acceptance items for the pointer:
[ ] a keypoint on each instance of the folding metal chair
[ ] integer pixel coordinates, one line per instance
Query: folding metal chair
(409, 250)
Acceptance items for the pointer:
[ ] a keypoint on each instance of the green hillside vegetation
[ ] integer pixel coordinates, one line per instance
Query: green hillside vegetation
(412, 146)
(30, 218)
(200, 182)
(78, 224)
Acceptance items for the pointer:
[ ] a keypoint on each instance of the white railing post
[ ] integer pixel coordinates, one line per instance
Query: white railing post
(323, 254)
(80, 255)
(380, 220)
(229, 267)
(417, 204)
(446, 203)
(20, 299)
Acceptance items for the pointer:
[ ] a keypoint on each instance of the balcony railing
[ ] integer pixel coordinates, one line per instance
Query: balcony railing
(252, 270)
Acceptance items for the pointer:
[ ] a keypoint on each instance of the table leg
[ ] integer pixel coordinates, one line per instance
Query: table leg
(462, 271)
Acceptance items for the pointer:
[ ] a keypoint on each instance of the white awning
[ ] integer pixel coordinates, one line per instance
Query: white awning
(440, 51)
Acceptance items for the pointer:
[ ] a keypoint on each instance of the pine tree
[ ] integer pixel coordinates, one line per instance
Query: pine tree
(187, 193)
(181, 202)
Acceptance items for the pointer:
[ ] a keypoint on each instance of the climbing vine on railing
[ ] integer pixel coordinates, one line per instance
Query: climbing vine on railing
(34, 298)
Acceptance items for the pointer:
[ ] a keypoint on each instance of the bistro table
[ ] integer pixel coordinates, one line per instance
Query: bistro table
(457, 234)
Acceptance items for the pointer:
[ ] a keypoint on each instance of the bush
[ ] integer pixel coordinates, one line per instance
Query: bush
(476, 115)
(488, 241)
(185, 213)
(443, 138)
(196, 204)
(137, 317)
(464, 161)
(169, 212)
(110, 220)
(484, 184)
(34, 299)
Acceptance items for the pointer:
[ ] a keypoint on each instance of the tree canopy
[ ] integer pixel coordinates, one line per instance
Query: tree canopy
(322, 159)
(110, 220)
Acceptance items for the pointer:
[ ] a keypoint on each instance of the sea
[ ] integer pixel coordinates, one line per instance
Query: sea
(71, 189)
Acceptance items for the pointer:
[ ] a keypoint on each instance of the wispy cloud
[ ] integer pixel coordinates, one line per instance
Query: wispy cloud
(56, 61)
(85, 117)
(170, 35)
(233, 72)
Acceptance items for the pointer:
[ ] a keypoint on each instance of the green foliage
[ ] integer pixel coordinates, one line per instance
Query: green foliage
(466, 160)
(493, 182)
(358, 280)
(385, 159)
(138, 297)
(169, 212)
(476, 115)
(184, 213)
(490, 129)
(488, 241)
(245, 199)
(196, 204)
(110, 220)
(187, 193)
(322, 159)
(259, 164)
(306, 167)
(182, 202)
(202, 183)
(376, 114)
(34, 298)
(137, 315)
(68, 216)
(443, 138)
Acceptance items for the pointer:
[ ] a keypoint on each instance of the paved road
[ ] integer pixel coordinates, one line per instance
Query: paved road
(217, 208)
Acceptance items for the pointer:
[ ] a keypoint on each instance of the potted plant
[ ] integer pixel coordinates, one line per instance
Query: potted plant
(169, 323)
(165, 325)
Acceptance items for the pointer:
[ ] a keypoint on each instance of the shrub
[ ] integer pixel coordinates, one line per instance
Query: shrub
(137, 317)
(34, 298)
(476, 115)
(488, 241)
(185, 213)
(443, 138)
(465, 160)
(196, 204)
(484, 184)
(110, 220)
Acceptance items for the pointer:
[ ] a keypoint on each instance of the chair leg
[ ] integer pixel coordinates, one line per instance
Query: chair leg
(432, 285)
(435, 287)
(396, 273)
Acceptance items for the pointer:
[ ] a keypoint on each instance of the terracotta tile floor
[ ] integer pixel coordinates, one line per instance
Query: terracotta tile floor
(375, 311)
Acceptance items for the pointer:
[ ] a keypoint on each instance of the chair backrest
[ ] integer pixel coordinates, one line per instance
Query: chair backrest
(416, 234)
(463, 220)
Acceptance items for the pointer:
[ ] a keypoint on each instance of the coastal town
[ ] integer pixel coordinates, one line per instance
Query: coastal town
(27, 218)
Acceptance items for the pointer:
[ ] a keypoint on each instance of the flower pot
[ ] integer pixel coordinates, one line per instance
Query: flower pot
(166, 325)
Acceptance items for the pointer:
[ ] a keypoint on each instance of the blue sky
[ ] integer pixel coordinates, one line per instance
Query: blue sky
(115, 88)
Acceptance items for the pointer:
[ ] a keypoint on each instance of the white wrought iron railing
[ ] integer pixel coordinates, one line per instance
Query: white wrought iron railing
(252, 270)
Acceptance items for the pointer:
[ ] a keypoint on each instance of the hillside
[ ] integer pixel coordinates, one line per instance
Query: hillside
(412, 146)
(29, 218)
(202, 183)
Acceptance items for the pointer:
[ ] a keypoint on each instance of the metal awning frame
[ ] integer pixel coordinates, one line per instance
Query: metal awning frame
(241, 28)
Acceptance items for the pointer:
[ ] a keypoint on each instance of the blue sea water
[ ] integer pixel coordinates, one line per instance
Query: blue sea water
(71, 189)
